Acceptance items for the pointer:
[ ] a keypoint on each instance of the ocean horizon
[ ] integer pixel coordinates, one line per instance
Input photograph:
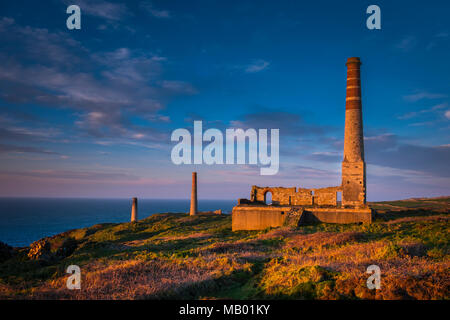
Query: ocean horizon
(24, 220)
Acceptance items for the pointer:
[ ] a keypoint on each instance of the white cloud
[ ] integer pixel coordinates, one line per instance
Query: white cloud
(102, 9)
(157, 13)
(447, 114)
(423, 95)
(442, 35)
(178, 87)
(125, 82)
(407, 43)
(257, 66)
(433, 109)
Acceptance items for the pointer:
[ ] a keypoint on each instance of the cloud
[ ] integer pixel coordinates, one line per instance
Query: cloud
(407, 43)
(439, 37)
(390, 161)
(72, 175)
(103, 124)
(104, 89)
(101, 9)
(309, 172)
(5, 148)
(423, 95)
(423, 111)
(290, 124)
(27, 134)
(158, 118)
(447, 114)
(257, 66)
(434, 115)
(385, 150)
(393, 183)
(10, 129)
(297, 137)
(39, 44)
(442, 35)
(325, 156)
(157, 13)
(332, 142)
(178, 87)
(380, 142)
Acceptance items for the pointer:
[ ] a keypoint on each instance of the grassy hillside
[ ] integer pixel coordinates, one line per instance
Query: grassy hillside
(182, 257)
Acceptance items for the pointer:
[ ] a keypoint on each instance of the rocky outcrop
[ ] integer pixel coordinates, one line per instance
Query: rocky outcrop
(48, 249)
(40, 250)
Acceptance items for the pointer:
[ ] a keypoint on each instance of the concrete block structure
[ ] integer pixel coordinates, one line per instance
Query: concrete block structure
(319, 204)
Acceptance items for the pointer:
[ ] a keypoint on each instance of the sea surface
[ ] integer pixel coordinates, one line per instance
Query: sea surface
(24, 220)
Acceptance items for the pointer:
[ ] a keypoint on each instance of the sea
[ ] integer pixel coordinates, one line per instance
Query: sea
(24, 220)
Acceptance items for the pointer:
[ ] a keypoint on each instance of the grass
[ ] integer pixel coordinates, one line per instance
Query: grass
(175, 256)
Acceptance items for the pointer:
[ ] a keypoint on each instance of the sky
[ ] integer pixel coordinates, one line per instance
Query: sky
(90, 112)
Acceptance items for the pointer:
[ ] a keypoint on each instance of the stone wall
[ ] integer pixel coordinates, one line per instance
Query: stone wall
(326, 196)
(353, 184)
(339, 215)
(319, 204)
(280, 195)
(294, 197)
(303, 197)
(258, 217)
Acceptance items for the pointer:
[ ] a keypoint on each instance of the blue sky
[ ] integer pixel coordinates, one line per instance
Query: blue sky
(89, 113)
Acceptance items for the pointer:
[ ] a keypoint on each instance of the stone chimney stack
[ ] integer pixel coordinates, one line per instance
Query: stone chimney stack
(353, 165)
(134, 210)
(193, 211)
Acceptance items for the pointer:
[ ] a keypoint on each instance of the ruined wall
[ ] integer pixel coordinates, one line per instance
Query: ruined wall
(280, 196)
(326, 196)
(354, 183)
(319, 204)
(303, 197)
(294, 197)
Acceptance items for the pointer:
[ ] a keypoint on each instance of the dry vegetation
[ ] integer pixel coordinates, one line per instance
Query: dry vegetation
(173, 256)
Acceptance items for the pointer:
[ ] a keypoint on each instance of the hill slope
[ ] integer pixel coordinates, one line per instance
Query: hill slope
(182, 257)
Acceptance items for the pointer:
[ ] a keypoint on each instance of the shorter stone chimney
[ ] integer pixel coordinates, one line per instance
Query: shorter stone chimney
(193, 211)
(134, 210)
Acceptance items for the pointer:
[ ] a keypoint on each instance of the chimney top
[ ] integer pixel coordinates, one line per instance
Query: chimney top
(353, 60)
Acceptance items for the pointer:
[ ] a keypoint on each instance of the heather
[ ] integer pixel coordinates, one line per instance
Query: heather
(177, 256)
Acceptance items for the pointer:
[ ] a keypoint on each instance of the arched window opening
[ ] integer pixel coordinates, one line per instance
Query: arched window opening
(339, 198)
(268, 197)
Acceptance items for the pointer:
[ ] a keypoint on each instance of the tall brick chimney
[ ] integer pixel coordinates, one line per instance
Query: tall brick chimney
(353, 165)
(193, 211)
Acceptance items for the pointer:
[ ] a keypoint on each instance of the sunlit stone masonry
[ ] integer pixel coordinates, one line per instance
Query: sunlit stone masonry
(293, 206)
(134, 210)
(193, 210)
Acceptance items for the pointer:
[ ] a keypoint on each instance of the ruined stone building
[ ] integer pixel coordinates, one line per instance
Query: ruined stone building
(303, 205)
